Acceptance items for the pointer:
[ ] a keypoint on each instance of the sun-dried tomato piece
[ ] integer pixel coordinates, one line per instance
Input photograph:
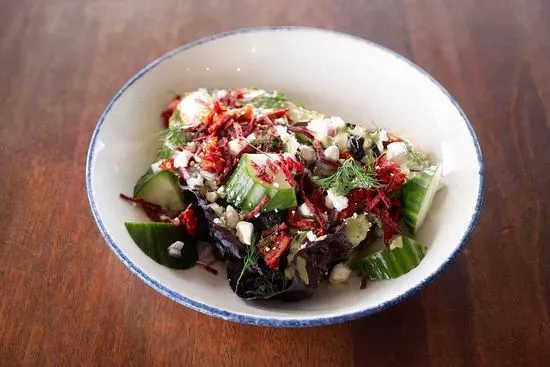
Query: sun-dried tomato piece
(153, 211)
(167, 164)
(277, 113)
(296, 221)
(390, 174)
(258, 208)
(189, 221)
(213, 156)
(273, 247)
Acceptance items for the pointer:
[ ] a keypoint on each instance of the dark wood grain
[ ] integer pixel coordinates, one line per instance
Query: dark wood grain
(66, 300)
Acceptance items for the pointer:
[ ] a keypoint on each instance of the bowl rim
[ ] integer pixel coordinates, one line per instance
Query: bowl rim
(268, 321)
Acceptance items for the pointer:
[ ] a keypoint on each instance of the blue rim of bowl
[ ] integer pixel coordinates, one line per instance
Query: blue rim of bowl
(226, 315)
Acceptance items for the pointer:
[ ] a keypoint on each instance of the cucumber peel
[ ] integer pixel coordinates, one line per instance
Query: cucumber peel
(403, 255)
(417, 196)
(154, 238)
(246, 190)
(162, 189)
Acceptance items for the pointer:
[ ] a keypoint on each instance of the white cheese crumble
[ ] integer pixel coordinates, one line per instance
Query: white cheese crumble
(251, 137)
(245, 230)
(221, 192)
(218, 209)
(192, 147)
(195, 180)
(231, 217)
(337, 202)
(307, 153)
(321, 238)
(174, 249)
(194, 106)
(311, 236)
(305, 212)
(332, 153)
(181, 159)
(289, 140)
(155, 167)
(236, 145)
(322, 128)
(340, 274)
(211, 196)
(219, 94)
(397, 153)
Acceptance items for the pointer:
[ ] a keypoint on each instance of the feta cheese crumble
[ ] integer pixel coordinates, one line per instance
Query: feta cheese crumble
(340, 274)
(194, 106)
(322, 128)
(397, 153)
(333, 201)
(174, 249)
(236, 145)
(305, 211)
(289, 140)
(181, 159)
(307, 153)
(332, 153)
(311, 236)
(245, 230)
(231, 217)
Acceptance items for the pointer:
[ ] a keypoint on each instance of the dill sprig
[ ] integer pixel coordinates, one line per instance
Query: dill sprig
(274, 100)
(173, 136)
(348, 177)
(413, 156)
(270, 287)
(250, 258)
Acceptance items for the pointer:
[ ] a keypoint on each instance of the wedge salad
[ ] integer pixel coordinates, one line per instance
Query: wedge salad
(283, 196)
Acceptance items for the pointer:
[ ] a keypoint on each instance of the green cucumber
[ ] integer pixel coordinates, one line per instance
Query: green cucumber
(294, 247)
(154, 238)
(356, 228)
(404, 255)
(245, 190)
(417, 196)
(162, 189)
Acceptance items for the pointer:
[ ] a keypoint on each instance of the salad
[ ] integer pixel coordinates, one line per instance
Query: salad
(283, 196)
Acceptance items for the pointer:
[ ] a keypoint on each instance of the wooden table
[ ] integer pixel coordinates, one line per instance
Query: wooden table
(65, 299)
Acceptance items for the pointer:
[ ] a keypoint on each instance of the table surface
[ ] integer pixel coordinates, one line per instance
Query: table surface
(65, 299)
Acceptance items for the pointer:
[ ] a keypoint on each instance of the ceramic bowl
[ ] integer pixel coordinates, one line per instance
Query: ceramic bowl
(327, 71)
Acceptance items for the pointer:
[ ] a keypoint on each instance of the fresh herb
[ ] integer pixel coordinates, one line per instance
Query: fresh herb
(172, 137)
(413, 156)
(275, 100)
(250, 258)
(266, 288)
(348, 177)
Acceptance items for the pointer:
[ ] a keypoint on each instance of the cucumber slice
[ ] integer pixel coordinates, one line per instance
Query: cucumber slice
(143, 180)
(162, 189)
(417, 196)
(245, 190)
(404, 255)
(356, 228)
(154, 239)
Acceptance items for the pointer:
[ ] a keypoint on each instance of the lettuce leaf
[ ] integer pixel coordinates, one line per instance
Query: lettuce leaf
(314, 261)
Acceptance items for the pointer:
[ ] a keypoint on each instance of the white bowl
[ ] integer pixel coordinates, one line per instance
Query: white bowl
(327, 71)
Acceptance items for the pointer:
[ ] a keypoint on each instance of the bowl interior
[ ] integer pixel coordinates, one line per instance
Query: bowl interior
(330, 72)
